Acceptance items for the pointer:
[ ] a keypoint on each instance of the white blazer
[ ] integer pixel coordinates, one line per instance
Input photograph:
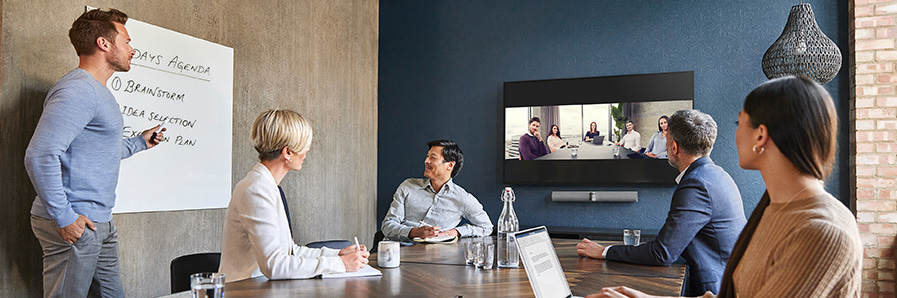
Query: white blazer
(257, 237)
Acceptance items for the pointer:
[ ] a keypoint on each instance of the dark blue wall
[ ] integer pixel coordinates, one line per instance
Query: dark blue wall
(442, 64)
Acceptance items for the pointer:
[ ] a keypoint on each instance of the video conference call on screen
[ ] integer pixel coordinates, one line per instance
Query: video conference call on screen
(586, 119)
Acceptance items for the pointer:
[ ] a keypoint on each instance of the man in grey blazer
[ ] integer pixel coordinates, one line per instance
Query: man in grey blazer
(706, 214)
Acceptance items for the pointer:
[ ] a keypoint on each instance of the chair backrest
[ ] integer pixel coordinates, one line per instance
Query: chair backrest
(378, 236)
(184, 266)
(334, 244)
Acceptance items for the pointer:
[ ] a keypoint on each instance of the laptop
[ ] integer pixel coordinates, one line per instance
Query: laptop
(543, 269)
(598, 140)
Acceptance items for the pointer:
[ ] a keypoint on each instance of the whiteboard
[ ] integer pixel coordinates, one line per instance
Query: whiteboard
(187, 84)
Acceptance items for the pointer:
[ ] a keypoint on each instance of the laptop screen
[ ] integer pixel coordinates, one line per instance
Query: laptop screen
(541, 261)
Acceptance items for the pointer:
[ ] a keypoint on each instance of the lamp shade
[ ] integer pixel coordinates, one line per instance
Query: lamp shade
(802, 49)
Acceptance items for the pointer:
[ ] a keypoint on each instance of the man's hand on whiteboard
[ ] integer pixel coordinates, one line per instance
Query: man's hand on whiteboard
(153, 135)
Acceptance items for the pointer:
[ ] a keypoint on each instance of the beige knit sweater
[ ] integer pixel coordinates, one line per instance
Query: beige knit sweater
(806, 248)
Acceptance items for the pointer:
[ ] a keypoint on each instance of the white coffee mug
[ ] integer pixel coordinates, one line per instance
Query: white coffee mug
(388, 254)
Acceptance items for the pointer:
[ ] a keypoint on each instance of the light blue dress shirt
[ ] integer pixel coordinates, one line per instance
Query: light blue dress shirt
(657, 145)
(415, 202)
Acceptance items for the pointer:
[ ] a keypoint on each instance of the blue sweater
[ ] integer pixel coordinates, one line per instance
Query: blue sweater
(74, 155)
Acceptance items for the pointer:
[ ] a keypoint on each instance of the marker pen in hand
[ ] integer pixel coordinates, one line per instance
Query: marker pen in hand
(153, 138)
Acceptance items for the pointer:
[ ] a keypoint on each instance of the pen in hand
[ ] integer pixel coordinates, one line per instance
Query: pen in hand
(424, 224)
(153, 137)
(357, 247)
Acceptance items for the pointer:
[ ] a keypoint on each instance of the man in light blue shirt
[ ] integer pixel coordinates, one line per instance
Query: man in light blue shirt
(73, 161)
(434, 206)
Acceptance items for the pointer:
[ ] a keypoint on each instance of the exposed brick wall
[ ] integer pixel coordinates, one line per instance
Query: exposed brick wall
(873, 127)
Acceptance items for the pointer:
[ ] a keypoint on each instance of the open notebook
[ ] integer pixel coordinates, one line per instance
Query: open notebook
(437, 239)
(366, 271)
(543, 269)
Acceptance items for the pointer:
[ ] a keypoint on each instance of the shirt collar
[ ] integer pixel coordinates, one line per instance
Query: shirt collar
(445, 187)
(681, 174)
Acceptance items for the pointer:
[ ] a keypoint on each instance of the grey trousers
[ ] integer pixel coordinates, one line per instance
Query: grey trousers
(87, 268)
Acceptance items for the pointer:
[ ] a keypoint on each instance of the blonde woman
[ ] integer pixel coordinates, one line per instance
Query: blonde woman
(257, 237)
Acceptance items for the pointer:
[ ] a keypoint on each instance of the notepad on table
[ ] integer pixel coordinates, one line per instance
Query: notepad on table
(366, 271)
(437, 239)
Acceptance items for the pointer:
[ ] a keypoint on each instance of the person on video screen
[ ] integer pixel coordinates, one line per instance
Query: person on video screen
(592, 133)
(632, 140)
(554, 139)
(657, 147)
(531, 145)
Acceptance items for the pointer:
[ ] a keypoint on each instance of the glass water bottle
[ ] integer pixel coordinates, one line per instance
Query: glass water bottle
(507, 225)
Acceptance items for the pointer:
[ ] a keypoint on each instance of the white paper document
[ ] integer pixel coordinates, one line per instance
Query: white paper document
(437, 239)
(366, 271)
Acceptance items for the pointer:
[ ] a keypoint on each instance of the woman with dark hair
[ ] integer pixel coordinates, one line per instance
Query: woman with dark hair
(657, 147)
(554, 139)
(592, 133)
(800, 241)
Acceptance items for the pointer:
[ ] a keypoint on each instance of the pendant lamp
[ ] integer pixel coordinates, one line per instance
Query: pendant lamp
(802, 49)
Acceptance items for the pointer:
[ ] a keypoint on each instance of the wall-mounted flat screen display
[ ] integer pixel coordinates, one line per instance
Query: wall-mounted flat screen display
(597, 130)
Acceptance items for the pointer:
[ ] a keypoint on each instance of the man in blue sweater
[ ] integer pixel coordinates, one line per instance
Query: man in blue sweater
(530, 144)
(706, 214)
(73, 161)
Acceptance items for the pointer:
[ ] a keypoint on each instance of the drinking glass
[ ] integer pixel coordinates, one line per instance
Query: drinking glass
(480, 255)
(488, 256)
(207, 285)
(631, 237)
(470, 253)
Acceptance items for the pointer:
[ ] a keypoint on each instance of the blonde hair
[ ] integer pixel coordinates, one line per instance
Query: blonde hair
(275, 129)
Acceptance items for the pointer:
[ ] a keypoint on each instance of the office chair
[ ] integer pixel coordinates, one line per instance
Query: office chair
(378, 236)
(182, 267)
(334, 244)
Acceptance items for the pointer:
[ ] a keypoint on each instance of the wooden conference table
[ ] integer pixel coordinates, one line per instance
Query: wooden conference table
(439, 270)
(592, 151)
